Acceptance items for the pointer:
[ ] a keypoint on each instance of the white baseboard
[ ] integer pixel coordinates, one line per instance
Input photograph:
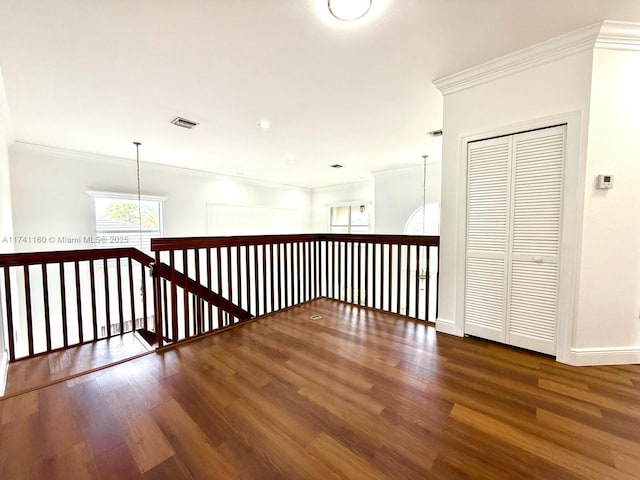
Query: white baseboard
(446, 326)
(4, 368)
(605, 356)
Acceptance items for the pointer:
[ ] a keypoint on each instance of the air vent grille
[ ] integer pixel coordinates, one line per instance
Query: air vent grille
(336, 165)
(184, 123)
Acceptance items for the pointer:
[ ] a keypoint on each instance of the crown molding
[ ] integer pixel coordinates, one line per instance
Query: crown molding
(619, 36)
(67, 154)
(603, 35)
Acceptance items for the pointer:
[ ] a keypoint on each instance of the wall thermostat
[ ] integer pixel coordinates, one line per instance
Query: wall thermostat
(605, 181)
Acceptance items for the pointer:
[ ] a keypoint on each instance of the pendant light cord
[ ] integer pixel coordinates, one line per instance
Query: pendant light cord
(137, 144)
(424, 192)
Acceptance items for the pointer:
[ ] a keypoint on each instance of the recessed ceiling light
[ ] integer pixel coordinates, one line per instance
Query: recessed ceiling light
(336, 165)
(349, 10)
(264, 124)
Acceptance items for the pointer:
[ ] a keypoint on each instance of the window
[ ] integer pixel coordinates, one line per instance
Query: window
(349, 219)
(424, 221)
(121, 222)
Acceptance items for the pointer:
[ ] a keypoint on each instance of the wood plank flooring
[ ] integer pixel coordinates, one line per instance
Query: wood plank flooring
(30, 373)
(357, 394)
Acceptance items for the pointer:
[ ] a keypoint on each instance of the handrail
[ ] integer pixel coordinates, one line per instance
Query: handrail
(195, 288)
(180, 243)
(40, 258)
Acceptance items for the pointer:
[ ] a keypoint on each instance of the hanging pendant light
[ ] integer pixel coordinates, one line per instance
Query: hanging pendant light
(349, 10)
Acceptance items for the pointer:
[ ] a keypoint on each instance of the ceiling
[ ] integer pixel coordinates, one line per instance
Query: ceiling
(95, 75)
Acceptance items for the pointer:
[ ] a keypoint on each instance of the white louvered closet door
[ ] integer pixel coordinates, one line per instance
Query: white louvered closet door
(535, 250)
(487, 237)
(514, 203)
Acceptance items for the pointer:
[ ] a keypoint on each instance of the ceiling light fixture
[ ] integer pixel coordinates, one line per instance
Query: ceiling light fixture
(349, 10)
(264, 124)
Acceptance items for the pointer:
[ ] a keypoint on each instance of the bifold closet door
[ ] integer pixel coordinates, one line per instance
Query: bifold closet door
(488, 204)
(535, 246)
(514, 202)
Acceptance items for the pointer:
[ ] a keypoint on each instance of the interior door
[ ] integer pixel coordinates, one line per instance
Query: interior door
(514, 205)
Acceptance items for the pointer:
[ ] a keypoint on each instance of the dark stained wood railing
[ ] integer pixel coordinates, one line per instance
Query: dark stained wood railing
(54, 300)
(195, 286)
(258, 275)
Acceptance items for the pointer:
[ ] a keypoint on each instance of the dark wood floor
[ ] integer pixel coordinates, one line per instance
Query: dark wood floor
(356, 394)
(30, 373)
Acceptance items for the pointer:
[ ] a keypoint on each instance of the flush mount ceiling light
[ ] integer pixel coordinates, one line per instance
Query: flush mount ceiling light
(264, 124)
(349, 10)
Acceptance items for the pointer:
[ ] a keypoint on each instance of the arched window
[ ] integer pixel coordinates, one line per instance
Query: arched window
(428, 214)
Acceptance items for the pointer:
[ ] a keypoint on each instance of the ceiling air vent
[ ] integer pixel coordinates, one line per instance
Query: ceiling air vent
(336, 165)
(184, 123)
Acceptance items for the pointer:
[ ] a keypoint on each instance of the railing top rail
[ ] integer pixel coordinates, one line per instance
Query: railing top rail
(181, 243)
(38, 258)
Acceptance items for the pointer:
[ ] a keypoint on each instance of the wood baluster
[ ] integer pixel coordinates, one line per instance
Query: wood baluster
(198, 308)
(94, 310)
(219, 270)
(247, 269)
(281, 248)
(229, 286)
(390, 277)
(374, 269)
(145, 317)
(9, 311)
(174, 297)
(63, 307)
(27, 297)
(165, 294)
(185, 294)
(158, 312)
(271, 278)
(264, 278)
(339, 296)
(239, 277)
(360, 272)
(438, 280)
(256, 278)
(210, 285)
(47, 311)
(417, 289)
(408, 281)
(288, 273)
(399, 279)
(427, 284)
(107, 301)
(299, 289)
(300, 272)
(366, 275)
(120, 307)
(79, 303)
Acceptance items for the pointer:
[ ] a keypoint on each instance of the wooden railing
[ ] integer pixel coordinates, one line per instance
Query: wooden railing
(194, 286)
(258, 275)
(54, 300)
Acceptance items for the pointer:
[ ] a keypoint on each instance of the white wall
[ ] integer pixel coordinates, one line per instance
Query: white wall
(504, 105)
(399, 193)
(609, 298)
(6, 226)
(324, 197)
(49, 194)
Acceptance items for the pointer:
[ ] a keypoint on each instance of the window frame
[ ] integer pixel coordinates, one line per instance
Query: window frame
(132, 197)
(350, 226)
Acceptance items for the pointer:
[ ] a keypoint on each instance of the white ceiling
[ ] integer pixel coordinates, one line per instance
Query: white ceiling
(95, 75)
